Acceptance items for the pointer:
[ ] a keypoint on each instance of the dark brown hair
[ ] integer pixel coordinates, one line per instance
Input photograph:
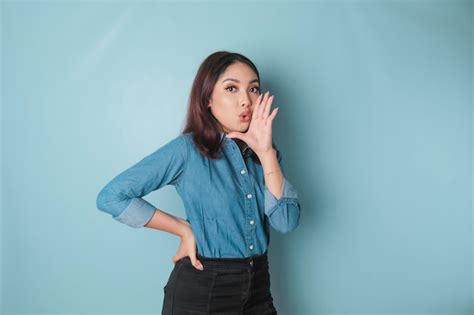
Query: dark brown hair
(199, 120)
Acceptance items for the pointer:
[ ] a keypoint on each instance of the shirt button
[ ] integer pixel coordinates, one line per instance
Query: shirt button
(251, 222)
(249, 196)
(242, 172)
(251, 246)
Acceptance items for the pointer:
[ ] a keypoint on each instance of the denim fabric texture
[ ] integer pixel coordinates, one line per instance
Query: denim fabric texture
(226, 201)
(226, 286)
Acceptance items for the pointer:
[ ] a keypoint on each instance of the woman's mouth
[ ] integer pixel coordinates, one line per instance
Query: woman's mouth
(245, 117)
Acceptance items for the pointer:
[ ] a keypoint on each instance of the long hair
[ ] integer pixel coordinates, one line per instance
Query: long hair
(199, 119)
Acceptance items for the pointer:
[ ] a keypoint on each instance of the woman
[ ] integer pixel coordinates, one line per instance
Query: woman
(227, 171)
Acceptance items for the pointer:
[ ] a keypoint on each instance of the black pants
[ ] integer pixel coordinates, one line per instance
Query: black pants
(226, 286)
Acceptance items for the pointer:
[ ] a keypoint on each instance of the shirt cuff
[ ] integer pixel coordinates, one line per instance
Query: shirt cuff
(289, 193)
(137, 213)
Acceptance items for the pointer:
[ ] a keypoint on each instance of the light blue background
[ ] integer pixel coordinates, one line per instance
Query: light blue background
(375, 127)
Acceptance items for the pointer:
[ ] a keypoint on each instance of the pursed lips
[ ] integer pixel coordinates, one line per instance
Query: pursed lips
(245, 114)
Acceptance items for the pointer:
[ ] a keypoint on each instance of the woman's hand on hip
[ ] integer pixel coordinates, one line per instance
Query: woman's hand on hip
(187, 247)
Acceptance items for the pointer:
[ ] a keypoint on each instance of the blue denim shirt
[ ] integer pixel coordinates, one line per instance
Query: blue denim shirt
(226, 201)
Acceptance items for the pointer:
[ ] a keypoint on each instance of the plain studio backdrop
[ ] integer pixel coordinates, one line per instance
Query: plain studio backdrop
(375, 127)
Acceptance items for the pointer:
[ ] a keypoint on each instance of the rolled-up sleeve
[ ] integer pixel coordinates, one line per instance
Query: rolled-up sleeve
(283, 213)
(122, 196)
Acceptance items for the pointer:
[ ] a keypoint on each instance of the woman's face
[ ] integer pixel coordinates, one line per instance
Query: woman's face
(235, 92)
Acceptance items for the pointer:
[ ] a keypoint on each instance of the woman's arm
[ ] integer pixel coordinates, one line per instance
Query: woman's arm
(169, 223)
(272, 173)
(122, 197)
(281, 199)
(180, 227)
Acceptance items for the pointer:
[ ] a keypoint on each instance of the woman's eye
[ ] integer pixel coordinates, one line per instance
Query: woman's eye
(257, 89)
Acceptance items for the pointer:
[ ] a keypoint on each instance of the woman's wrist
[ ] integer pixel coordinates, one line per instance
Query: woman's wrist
(185, 230)
(266, 154)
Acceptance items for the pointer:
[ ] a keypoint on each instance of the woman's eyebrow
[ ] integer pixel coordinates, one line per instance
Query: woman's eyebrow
(235, 80)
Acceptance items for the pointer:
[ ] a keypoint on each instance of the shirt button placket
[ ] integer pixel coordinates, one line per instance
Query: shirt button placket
(251, 222)
(249, 196)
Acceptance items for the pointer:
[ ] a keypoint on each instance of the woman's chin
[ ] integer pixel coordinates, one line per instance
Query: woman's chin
(244, 125)
(244, 128)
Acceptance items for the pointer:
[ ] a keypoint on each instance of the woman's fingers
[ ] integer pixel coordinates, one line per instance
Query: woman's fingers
(268, 106)
(263, 107)
(196, 263)
(273, 114)
(187, 247)
(256, 110)
(263, 104)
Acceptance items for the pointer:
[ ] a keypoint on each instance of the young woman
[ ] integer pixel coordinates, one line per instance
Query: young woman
(227, 170)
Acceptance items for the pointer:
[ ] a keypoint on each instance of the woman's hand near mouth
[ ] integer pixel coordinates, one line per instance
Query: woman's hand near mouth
(259, 134)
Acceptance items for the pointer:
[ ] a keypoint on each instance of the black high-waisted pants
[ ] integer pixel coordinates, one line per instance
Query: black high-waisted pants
(226, 286)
